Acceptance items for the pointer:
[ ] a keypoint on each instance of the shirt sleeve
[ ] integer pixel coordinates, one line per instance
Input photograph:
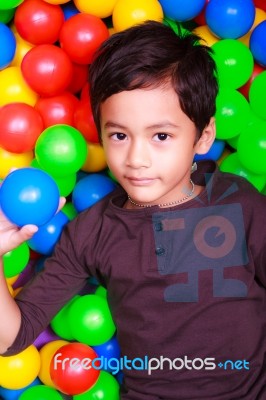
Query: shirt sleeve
(64, 275)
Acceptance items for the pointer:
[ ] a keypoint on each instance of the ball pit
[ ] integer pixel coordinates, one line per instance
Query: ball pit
(62, 101)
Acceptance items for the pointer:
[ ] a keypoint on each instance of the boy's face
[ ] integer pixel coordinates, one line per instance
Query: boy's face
(150, 143)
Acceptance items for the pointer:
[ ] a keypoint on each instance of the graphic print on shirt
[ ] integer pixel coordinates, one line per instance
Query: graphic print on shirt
(192, 240)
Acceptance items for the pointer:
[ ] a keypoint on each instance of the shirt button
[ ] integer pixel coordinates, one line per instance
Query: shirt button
(160, 251)
(158, 226)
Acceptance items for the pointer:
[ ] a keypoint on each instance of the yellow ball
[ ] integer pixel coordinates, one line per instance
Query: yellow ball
(20, 370)
(100, 8)
(13, 88)
(132, 12)
(95, 160)
(12, 279)
(46, 354)
(207, 37)
(9, 161)
(22, 48)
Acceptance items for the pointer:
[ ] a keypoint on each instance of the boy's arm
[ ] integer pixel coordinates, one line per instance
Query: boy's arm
(10, 317)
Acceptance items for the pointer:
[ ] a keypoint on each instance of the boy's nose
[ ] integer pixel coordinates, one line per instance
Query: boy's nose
(138, 156)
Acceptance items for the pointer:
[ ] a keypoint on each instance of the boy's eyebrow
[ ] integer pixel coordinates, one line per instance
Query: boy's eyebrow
(163, 124)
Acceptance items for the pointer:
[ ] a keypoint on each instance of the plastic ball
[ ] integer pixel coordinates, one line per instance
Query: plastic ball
(69, 210)
(84, 121)
(45, 239)
(230, 19)
(29, 196)
(61, 149)
(40, 392)
(39, 22)
(50, 64)
(46, 354)
(257, 43)
(234, 63)
(69, 9)
(74, 376)
(59, 323)
(81, 35)
(90, 320)
(9, 161)
(21, 125)
(21, 369)
(57, 109)
(233, 165)
(180, 11)
(9, 394)
(96, 160)
(106, 387)
(7, 4)
(127, 13)
(22, 48)
(108, 351)
(245, 88)
(101, 291)
(79, 79)
(257, 95)
(260, 16)
(251, 147)
(14, 88)
(260, 4)
(16, 260)
(56, 1)
(232, 113)
(100, 8)
(7, 15)
(90, 190)
(46, 336)
(8, 45)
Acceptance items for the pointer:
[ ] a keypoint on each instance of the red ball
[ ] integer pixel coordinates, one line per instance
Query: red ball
(39, 22)
(84, 121)
(85, 92)
(260, 4)
(57, 109)
(79, 79)
(21, 125)
(47, 69)
(81, 35)
(71, 370)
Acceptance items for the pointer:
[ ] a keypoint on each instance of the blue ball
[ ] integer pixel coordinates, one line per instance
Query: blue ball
(8, 45)
(29, 196)
(69, 9)
(108, 350)
(181, 10)
(230, 19)
(14, 394)
(45, 239)
(257, 43)
(90, 190)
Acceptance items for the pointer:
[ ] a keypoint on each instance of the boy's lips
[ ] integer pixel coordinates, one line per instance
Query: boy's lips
(140, 181)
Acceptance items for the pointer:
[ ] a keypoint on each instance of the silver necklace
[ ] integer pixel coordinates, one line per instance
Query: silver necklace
(172, 203)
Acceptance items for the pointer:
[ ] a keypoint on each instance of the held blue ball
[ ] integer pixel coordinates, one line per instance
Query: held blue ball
(29, 196)
(230, 19)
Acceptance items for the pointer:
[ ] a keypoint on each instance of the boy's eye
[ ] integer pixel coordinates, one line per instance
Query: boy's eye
(161, 137)
(118, 136)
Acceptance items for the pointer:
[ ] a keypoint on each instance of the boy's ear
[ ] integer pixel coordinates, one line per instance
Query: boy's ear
(206, 140)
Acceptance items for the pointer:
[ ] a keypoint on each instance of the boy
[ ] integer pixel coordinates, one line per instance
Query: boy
(181, 252)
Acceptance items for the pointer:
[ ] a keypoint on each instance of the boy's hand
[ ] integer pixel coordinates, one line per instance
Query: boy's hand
(11, 236)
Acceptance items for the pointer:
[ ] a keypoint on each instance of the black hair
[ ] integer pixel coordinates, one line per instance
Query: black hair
(150, 55)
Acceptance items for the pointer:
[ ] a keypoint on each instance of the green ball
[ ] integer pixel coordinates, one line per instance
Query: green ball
(232, 113)
(105, 388)
(7, 4)
(61, 150)
(90, 320)
(257, 95)
(7, 15)
(233, 165)
(40, 392)
(251, 148)
(234, 63)
(59, 323)
(16, 260)
(101, 291)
